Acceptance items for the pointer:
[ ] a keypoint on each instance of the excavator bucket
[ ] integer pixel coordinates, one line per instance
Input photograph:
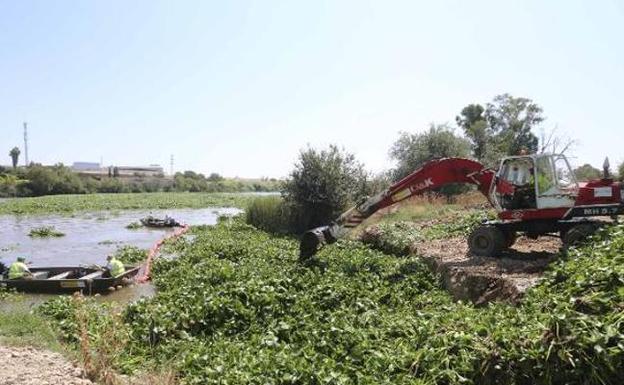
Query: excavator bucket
(312, 240)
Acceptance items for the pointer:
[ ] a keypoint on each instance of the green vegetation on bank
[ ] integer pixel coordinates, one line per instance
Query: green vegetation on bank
(20, 326)
(65, 204)
(396, 234)
(237, 307)
(269, 214)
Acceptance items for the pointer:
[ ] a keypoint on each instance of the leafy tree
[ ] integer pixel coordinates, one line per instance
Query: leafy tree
(322, 185)
(472, 121)
(410, 151)
(214, 177)
(193, 175)
(9, 184)
(587, 172)
(503, 128)
(14, 154)
(511, 120)
(53, 180)
(621, 171)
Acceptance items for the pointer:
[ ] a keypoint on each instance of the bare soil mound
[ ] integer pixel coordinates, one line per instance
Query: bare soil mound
(29, 366)
(480, 279)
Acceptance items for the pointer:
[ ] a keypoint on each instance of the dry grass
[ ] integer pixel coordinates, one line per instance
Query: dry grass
(425, 208)
(472, 199)
(165, 377)
(98, 356)
(98, 351)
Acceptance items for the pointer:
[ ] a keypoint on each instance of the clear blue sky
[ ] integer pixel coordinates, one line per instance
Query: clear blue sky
(239, 87)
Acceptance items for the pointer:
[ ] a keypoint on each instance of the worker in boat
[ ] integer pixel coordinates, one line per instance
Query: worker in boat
(115, 267)
(19, 269)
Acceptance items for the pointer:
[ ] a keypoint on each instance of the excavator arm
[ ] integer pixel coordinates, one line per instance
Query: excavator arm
(431, 175)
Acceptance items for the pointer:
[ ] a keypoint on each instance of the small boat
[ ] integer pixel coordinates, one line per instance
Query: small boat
(88, 280)
(151, 221)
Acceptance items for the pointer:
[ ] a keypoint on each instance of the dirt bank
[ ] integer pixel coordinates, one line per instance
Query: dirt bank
(29, 366)
(482, 280)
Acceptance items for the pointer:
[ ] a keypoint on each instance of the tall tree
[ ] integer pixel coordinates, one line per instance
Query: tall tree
(621, 171)
(511, 120)
(587, 172)
(472, 121)
(14, 154)
(411, 151)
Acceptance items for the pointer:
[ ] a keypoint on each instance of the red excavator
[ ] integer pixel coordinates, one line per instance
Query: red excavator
(534, 195)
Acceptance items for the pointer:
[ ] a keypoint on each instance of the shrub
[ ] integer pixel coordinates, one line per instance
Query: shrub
(322, 185)
(269, 213)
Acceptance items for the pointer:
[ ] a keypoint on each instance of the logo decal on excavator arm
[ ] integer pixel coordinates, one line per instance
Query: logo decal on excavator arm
(421, 186)
(405, 193)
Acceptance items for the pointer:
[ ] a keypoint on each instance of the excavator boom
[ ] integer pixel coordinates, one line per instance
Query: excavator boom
(432, 175)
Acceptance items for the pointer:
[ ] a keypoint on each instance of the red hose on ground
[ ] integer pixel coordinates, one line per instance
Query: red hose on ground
(144, 274)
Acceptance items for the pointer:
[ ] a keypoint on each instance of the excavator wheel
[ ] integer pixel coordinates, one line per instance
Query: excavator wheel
(487, 241)
(578, 234)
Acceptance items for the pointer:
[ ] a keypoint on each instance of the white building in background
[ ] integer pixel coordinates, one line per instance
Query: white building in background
(95, 169)
(152, 170)
(86, 166)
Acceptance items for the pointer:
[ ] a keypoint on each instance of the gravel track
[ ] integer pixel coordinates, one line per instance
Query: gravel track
(30, 366)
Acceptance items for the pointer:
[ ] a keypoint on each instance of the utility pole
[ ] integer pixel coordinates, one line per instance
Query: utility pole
(171, 166)
(26, 144)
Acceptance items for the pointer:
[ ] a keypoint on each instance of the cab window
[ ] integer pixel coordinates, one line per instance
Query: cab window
(517, 171)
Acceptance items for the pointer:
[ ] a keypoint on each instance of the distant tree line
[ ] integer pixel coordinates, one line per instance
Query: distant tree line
(38, 180)
(196, 182)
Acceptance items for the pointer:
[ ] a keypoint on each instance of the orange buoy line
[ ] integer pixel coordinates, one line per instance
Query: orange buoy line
(144, 274)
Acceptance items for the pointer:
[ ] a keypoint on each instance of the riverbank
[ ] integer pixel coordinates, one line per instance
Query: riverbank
(238, 307)
(70, 204)
(30, 366)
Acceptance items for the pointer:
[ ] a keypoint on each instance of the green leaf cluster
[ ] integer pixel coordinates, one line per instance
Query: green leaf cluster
(45, 232)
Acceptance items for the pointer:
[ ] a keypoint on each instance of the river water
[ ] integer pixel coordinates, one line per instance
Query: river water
(89, 237)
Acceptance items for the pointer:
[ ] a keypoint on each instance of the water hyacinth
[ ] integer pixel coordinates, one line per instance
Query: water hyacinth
(44, 232)
(237, 307)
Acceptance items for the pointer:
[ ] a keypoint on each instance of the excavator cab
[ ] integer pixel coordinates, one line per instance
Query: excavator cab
(538, 181)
